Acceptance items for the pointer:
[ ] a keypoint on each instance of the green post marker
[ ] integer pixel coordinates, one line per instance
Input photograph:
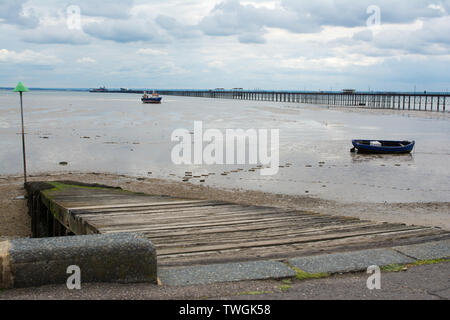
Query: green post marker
(21, 88)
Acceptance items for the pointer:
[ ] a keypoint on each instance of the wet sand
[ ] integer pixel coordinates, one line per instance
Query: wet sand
(14, 221)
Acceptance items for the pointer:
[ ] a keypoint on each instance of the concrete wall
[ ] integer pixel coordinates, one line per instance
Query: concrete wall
(121, 257)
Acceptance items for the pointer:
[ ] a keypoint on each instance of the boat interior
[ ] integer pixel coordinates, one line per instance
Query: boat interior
(384, 143)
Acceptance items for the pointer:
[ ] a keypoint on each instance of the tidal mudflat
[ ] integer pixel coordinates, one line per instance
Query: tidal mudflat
(114, 135)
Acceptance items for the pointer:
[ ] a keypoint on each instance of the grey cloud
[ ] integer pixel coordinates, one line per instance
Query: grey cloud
(55, 35)
(350, 13)
(227, 18)
(11, 12)
(115, 9)
(122, 31)
(176, 29)
(251, 38)
(431, 39)
(230, 17)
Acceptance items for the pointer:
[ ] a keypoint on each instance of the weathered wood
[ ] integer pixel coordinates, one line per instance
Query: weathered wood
(269, 243)
(303, 249)
(268, 232)
(133, 205)
(187, 231)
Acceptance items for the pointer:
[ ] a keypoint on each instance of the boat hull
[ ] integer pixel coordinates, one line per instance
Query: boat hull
(385, 147)
(152, 100)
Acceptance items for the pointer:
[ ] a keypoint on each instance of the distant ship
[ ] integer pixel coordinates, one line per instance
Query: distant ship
(101, 89)
(154, 98)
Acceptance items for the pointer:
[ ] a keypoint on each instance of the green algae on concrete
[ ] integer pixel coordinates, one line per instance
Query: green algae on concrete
(303, 275)
(285, 287)
(45, 193)
(63, 185)
(404, 267)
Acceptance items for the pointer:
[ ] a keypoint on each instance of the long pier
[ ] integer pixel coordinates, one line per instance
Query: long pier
(386, 100)
(438, 102)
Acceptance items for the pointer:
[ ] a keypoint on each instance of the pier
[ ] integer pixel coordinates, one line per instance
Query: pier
(378, 100)
(195, 231)
(438, 102)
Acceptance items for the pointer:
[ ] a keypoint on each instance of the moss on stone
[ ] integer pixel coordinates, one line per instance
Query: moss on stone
(404, 267)
(253, 293)
(393, 268)
(303, 275)
(285, 287)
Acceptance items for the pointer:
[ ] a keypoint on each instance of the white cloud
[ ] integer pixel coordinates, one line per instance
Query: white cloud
(216, 64)
(331, 63)
(28, 57)
(86, 60)
(437, 7)
(152, 52)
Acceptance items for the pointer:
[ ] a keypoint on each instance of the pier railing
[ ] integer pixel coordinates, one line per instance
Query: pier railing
(381, 100)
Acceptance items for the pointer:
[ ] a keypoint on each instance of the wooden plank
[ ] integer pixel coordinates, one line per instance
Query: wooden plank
(232, 235)
(194, 242)
(224, 229)
(143, 204)
(156, 206)
(187, 225)
(287, 251)
(173, 218)
(254, 227)
(268, 243)
(155, 209)
(219, 227)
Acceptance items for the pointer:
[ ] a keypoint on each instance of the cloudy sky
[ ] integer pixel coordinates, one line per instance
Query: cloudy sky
(279, 44)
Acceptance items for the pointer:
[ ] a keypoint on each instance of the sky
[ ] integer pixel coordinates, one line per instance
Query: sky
(401, 45)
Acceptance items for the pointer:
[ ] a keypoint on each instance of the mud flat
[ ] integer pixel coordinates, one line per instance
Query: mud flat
(116, 134)
(126, 144)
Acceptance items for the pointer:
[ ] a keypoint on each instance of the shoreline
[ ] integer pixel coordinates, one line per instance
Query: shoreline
(15, 222)
(386, 111)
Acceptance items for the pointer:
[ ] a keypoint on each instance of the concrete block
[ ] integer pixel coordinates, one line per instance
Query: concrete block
(349, 261)
(427, 251)
(120, 257)
(227, 272)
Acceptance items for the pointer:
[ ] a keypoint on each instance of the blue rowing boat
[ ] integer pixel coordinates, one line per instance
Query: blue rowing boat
(383, 146)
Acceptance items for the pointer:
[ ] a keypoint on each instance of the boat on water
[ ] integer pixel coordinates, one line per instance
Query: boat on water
(383, 146)
(101, 89)
(154, 98)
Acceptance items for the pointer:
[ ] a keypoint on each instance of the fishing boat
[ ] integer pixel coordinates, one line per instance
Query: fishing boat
(383, 146)
(101, 89)
(154, 98)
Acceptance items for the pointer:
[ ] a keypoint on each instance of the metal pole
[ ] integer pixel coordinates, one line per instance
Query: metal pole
(23, 142)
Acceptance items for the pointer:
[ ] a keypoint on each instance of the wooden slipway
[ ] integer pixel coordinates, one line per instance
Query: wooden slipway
(187, 231)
